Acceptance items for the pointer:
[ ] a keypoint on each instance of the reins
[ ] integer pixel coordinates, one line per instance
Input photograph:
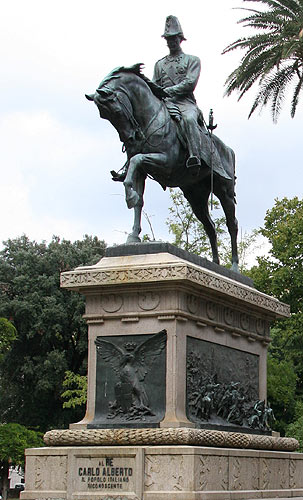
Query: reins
(138, 128)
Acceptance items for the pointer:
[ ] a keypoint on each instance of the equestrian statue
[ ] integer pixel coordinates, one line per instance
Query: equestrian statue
(165, 137)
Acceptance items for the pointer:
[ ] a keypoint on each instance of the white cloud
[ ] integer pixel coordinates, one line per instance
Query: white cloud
(36, 141)
(56, 180)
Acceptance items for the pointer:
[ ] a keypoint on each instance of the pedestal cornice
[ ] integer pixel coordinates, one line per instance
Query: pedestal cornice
(164, 267)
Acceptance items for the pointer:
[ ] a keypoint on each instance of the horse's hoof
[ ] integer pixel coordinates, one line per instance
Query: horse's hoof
(132, 199)
(133, 239)
(235, 267)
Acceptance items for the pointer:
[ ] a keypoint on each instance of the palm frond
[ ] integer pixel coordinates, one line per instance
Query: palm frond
(295, 99)
(272, 56)
(290, 6)
(273, 89)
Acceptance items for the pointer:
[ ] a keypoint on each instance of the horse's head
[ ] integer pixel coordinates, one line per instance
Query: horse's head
(113, 99)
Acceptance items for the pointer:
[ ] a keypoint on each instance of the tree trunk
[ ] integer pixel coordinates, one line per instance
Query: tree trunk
(5, 481)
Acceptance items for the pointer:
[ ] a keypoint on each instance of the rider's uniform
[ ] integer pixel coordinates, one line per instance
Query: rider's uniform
(179, 75)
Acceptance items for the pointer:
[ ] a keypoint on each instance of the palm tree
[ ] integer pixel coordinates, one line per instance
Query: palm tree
(274, 56)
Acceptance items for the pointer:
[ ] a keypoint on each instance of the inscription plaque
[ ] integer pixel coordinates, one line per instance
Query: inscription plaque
(105, 474)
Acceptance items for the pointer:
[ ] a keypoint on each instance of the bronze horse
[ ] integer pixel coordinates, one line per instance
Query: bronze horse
(155, 148)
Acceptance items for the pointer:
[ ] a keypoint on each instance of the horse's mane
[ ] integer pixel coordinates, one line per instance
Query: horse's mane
(136, 70)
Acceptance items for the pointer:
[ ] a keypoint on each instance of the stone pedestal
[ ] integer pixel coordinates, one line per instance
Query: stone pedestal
(161, 473)
(161, 323)
(216, 321)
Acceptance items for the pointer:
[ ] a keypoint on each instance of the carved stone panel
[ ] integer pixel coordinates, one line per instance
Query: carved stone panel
(274, 474)
(169, 473)
(296, 474)
(211, 473)
(244, 473)
(223, 387)
(130, 380)
(50, 473)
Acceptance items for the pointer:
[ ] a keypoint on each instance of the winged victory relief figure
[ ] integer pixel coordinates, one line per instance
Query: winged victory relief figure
(131, 363)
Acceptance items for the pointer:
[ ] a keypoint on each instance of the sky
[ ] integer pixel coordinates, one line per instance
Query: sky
(56, 152)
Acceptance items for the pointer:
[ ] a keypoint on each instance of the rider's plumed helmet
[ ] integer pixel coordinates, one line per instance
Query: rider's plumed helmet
(172, 27)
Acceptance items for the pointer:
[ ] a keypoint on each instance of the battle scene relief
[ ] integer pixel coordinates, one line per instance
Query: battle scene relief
(223, 388)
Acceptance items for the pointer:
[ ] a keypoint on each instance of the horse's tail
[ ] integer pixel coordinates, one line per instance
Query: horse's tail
(233, 158)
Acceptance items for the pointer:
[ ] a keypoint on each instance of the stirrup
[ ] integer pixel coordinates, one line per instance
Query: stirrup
(193, 161)
(193, 164)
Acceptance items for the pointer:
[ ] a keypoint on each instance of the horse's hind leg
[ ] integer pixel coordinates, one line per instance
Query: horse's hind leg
(198, 196)
(226, 197)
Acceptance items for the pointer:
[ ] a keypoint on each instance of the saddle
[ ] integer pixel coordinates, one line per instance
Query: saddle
(209, 153)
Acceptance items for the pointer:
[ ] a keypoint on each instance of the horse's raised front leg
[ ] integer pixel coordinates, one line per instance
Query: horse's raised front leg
(132, 197)
(133, 237)
(148, 163)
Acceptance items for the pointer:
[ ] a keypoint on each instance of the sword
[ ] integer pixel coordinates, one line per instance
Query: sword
(210, 128)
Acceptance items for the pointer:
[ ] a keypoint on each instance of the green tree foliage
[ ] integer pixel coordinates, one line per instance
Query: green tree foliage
(75, 393)
(247, 245)
(52, 336)
(281, 390)
(189, 233)
(281, 274)
(295, 429)
(14, 438)
(8, 334)
(187, 230)
(273, 56)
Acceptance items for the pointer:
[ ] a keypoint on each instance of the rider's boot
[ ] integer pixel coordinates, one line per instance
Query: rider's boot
(118, 177)
(193, 143)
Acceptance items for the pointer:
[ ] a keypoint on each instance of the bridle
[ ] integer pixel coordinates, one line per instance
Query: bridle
(141, 136)
(137, 130)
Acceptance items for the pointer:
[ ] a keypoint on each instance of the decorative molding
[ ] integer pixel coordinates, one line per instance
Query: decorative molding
(192, 303)
(229, 316)
(244, 321)
(148, 301)
(40, 465)
(167, 436)
(130, 319)
(94, 276)
(211, 310)
(111, 302)
(292, 474)
(166, 317)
